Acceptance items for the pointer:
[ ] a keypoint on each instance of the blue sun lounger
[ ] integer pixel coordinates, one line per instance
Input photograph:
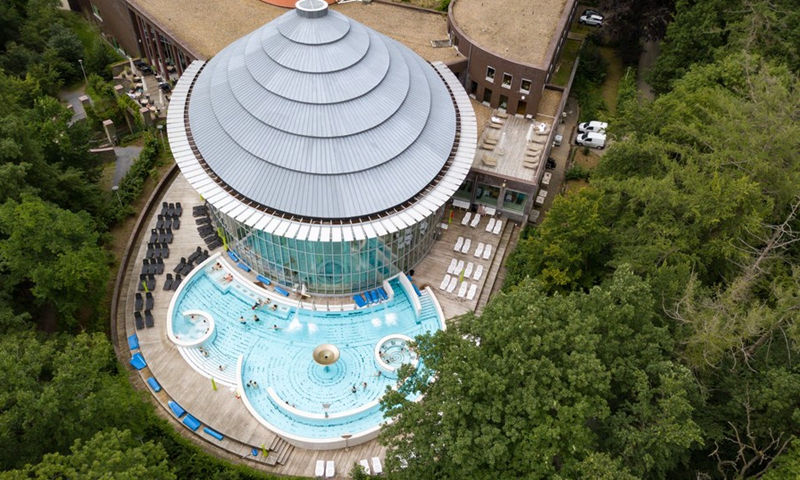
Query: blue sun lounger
(382, 294)
(133, 342)
(233, 256)
(191, 422)
(359, 301)
(154, 384)
(213, 433)
(263, 280)
(176, 409)
(243, 267)
(281, 291)
(138, 361)
(374, 297)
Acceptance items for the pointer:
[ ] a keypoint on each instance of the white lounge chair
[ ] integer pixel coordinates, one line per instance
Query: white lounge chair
(468, 270)
(467, 245)
(478, 273)
(490, 225)
(487, 252)
(472, 290)
(466, 218)
(365, 466)
(475, 221)
(452, 268)
(330, 469)
(497, 227)
(452, 285)
(462, 290)
(479, 250)
(320, 470)
(459, 267)
(459, 243)
(377, 468)
(445, 281)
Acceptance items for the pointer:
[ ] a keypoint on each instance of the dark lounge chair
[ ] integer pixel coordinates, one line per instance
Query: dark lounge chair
(164, 208)
(142, 282)
(168, 282)
(203, 220)
(196, 254)
(171, 210)
(178, 209)
(139, 301)
(153, 235)
(215, 244)
(176, 223)
(149, 300)
(177, 281)
(164, 250)
(160, 222)
(139, 320)
(180, 265)
(159, 266)
(148, 318)
(151, 281)
(168, 235)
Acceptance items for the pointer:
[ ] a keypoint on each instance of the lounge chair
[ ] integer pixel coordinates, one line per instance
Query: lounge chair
(180, 265)
(452, 268)
(149, 301)
(264, 280)
(139, 302)
(281, 291)
(472, 290)
(176, 409)
(168, 282)
(487, 252)
(148, 319)
(319, 471)
(330, 469)
(475, 221)
(164, 208)
(168, 236)
(459, 267)
(462, 290)
(159, 266)
(187, 269)
(151, 281)
(213, 433)
(199, 211)
(459, 244)
(243, 266)
(490, 225)
(359, 301)
(365, 466)
(478, 273)
(445, 281)
(215, 244)
(177, 282)
(178, 209)
(142, 282)
(160, 221)
(139, 320)
(154, 384)
(164, 252)
(133, 342)
(377, 468)
(382, 293)
(145, 266)
(195, 255)
(171, 210)
(176, 223)
(153, 235)
(468, 270)
(191, 422)
(479, 250)
(467, 245)
(466, 218)
(497, 227)
(202, 221)
(137, 360)
(452, 285)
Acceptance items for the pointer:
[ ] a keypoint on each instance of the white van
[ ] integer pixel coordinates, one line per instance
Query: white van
(591, 139)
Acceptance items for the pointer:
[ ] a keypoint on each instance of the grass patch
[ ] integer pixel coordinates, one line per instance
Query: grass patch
(609, 89)
(568, 55)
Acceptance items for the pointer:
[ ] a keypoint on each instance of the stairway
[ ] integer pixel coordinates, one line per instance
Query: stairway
(503, 247)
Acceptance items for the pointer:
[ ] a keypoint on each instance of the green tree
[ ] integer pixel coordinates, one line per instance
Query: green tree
(56, 251)
(113, 454)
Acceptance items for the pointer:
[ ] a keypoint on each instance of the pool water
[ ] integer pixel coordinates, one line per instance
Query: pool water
(189, 329)
(294, 394)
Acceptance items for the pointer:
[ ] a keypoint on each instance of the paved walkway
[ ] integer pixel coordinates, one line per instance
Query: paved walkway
(125, 158)
(646, 61)
(71, 97)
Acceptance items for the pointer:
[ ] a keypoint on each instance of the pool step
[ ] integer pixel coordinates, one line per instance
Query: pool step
(279, 451)
(211, 368)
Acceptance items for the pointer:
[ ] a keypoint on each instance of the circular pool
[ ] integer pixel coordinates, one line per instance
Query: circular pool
(192, 328)
(392, 352)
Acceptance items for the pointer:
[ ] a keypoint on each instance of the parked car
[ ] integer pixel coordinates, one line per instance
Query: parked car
(591, 139)
(591, 18)
(593, 126)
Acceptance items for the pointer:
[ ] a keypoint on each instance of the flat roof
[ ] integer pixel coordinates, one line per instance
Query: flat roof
(520, 31)
(208, 26)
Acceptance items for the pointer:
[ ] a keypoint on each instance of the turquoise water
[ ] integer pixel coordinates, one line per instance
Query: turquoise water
(277, 353)
(187, 329)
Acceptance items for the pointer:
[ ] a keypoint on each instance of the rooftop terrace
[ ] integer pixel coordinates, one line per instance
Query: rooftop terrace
(208, 26)
(519, 31)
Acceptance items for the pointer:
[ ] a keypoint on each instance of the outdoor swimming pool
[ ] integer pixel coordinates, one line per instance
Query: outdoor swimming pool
(284, 387)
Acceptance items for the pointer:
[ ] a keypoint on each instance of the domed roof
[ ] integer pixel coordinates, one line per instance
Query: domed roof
(316, 115)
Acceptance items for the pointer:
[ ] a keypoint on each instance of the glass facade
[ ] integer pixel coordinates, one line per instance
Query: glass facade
(514, 201)
(487, 195)
(329, 268)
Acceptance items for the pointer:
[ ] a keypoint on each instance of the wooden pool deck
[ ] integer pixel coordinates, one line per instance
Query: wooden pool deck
(221, 409)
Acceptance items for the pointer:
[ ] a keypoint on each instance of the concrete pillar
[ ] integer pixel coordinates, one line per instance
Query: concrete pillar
(70, 108)
(85, 101)
(147, 116)
(119, 90)
(111, 131)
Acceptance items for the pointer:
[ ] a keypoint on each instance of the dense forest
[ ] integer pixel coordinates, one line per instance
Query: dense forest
(647, 328)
